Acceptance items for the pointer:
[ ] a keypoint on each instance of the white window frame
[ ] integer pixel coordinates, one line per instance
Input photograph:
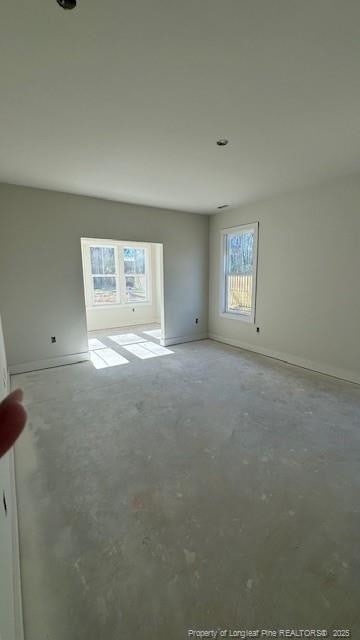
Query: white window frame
(115, 275)
(123, 275)
(120, 275)
(236, 315)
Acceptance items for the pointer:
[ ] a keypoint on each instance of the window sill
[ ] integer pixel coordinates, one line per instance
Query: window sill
(238, 316)
(118, 305)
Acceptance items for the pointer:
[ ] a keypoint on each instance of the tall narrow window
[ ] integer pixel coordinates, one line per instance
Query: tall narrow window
(135, 277)
(239, 246)
(104, 275)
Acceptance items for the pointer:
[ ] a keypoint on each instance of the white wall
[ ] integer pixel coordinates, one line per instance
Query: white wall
(40, 242)
(308, 302)
(107, 317)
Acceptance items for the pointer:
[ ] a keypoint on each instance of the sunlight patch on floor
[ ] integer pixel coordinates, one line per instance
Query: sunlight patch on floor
(154, 333)
(94, 343)
(104, 358)
(126, 338)
(147, 350)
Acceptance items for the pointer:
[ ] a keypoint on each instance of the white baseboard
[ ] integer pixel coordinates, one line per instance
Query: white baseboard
(122, 325)
(168, 342)
(59, 361)
(334, 372)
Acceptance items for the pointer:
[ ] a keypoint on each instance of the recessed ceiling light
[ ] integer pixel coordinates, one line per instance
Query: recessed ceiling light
(222, 142)
(223, 206)
(67, 4)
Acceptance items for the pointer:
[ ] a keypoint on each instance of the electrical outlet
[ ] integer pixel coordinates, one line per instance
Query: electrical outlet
(53, 339)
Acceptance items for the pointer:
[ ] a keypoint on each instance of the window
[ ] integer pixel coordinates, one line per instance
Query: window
(115, 273)
(135, 278)
(239, 253)
(104, 281)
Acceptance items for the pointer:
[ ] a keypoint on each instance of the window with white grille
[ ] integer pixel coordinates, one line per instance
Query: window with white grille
(104, 275)
(239, 263)
(116, 273)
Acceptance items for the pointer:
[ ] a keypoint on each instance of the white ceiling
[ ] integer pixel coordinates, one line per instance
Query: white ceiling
(124, 99)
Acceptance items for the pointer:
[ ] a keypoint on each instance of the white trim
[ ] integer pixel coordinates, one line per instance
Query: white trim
(107, 242)
(251, 226)
(49, 363)
(238, 316)
(125, 324)
(139, 303)
(17, 592)
(167, 342)
(90, 276)
(317, 367)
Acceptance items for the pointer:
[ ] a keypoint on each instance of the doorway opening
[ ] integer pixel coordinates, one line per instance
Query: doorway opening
(124, 301)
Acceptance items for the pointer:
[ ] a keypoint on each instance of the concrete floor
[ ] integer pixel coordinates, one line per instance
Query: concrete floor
(209, 488)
